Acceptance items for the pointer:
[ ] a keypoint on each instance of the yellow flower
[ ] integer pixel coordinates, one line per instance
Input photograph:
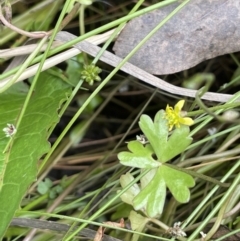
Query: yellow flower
(175, 117)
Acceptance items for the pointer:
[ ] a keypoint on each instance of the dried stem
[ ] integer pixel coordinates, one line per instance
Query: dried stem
(39, 34)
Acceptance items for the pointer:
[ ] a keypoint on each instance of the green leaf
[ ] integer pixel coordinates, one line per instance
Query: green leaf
(140, 157)
(94, 103)
(74, 68)
(129, 195)
(122, 211)
(52, 194)
(78, 132)
(55, 191)
(152, 197)
(18, 166)
(138, 222)
(153, 189)
(197, 80)
(44, 186)
(177, 143)
(157, 134)
(178, 183)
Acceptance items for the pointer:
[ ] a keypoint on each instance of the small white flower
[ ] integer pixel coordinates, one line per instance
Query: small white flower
(176, 230)
(142, 139)
(203, 235)
(10, 130)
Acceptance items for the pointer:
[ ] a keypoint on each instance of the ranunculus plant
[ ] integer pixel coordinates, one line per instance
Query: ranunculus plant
(164, 142)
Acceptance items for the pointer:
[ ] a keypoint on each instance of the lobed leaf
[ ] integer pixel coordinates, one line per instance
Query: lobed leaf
(178, 183)
(140, 156)
(153, 189)
(129, 195)
(177, 143)
(152, 197)
(138, 221)
(157, 134)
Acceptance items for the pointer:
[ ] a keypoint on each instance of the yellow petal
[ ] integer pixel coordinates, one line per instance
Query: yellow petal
(167, 108)
(179, 105)
(187, 121)
(170, 127)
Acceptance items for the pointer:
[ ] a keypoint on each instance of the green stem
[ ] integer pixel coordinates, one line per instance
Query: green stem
(219, 204)
(24, 65)
(81, 20)
(116, 31)
(225, 106)
(209, 118)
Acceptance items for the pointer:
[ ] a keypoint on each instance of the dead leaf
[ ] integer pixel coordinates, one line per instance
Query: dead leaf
(202, 30)
(99, 234)
(101, 230)
(121, 224)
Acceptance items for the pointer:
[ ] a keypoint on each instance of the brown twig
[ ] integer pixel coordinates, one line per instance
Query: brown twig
(114, 60)
(39, 34)
(55, 226)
